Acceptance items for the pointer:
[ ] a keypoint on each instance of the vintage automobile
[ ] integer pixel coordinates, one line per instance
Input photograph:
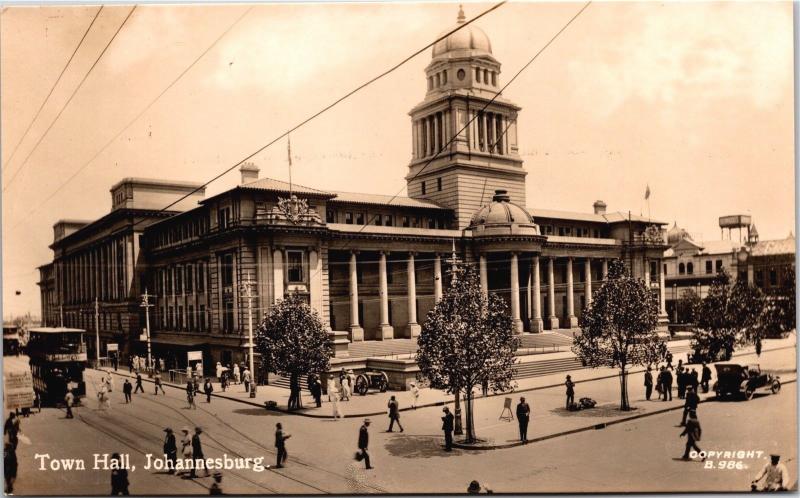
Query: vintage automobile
(371, 379)
(744, 380)
(701, 355)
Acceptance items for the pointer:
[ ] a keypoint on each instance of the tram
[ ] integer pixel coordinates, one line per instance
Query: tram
(58, 359)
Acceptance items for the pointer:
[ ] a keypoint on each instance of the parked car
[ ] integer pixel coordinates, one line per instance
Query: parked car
(744, 380)
(700, 355)
(371, 379)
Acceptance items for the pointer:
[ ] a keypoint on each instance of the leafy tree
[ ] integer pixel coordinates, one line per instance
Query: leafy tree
(730, 314)
(618, 327)
(688, 305)
(467, 340)
(779, 314)
(293, 342)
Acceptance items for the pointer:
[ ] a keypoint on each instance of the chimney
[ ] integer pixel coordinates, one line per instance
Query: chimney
(599, 207)
(249, 172)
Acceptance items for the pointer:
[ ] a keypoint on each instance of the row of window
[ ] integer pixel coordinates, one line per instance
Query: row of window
(481, 76)
(438, 186)
(173, 318)
(570, 231)
(485, 76)
(688, 268)
(181, 279)
(189, 229)
(387, 220)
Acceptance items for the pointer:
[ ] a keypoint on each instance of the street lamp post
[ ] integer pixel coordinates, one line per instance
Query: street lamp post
(97, 331)
(248, 293)
(146, 305)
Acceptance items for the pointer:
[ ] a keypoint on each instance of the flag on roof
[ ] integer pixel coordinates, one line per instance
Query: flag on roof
(647, 192)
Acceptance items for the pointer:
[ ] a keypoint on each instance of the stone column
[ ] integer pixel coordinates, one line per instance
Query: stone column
(536, 325)
(277, 275)
(647, 273)
(436, 144)
(605, 269)
(385, 331)
(437, 278)
(572, 319)
(515, 319)
(662, 291)
(315, 283)
(529, 294)
(413, 329)
(588, 282)
(484, 276)
(356, 332)
(551, 293)
(129, 262)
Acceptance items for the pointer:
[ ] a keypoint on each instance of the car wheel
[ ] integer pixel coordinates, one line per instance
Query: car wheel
(748, 394)
(776, 387)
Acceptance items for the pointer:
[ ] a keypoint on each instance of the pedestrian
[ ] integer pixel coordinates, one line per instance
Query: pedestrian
(197, 451)
(103, 398)
(485, 387)
(475, 488)
(394, 414)
(186, 444)
(37, 401)
(523, 417)
(161, 364)
(334, 396)
(11, 429)
(777, 477)
(208, 389)
(669, 360)
(693, 380)
(280, 443)
(316, 389)
(198, 369)
(109, 382)
(414, 395)
(363, 444)
(570, 391)
(692, 431)
(218, 371)
(130, 364)
(331, 386)
(9, 466)
(346, 388)
(114, 361)
(119, 477)
(705, 377)
(690, 405)
(170, 449)
(190, 392)
(223, 381)
(127, 389)
(680, 379)
(342, 376)
(447, 426)
(157, 382)
(247, 380)
(648, 383)
(216, 486)
(69, 400)
(236, 373)
(667, 385)
(138, 383)
(758, 347)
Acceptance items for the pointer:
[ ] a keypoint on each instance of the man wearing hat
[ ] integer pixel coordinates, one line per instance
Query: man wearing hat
(216, 486)
(280, 443)
(197, 452)
(692, 433)
(447, 426)
(777, 477)
(570, 391)
(523, 417)
(170, 449)
(363, 442)
(692, 399)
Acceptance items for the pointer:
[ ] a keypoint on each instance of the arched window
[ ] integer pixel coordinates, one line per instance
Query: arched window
(681, 269)
(478, 74)
(486, 76)
(444, 77)
(689, 268)
(494, 78)
(438, 80)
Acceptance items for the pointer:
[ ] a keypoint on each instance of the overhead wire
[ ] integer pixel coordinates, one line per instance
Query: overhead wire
(74, 92)
(50, 93)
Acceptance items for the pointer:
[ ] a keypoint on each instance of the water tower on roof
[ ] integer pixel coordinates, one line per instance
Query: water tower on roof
(735, 221)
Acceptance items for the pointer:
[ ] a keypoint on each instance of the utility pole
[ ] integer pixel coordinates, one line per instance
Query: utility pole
(146, 305)
(97, 331)
(457, 426)
(247, 288)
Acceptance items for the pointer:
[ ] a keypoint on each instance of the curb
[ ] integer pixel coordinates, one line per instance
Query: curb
(426, 405)
(599, 426)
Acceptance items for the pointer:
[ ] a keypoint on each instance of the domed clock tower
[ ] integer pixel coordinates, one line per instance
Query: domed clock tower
(462, 78)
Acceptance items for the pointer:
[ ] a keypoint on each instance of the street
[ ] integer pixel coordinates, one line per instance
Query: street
(639, 454)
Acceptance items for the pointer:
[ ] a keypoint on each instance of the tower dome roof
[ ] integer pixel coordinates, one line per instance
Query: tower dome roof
(503, 216)
(677, 234)
(470, 39)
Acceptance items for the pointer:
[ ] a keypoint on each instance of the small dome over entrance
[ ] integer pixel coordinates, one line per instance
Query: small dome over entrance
(503, 216)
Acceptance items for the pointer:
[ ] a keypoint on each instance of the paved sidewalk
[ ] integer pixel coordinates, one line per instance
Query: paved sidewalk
(374, 403)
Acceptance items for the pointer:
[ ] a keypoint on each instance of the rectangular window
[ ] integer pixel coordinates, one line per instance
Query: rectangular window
(378, 220)
(665, 269)
(416, 222)
(773, 278)
(388, 220)
(202, 317)
(180, 317)
(439, 184)
(348, 218)
(359, 218)
(440, 224)
(423, 188)
(201, 277)
(478, 73)
(330, 216)
(719, 265)
(171, 318)
(227, 269)
(561, 231)
(294, 263)
(179, 280)
(709, 268)
(759, 278)
(653, 271)
(190, 312)
(224, 218)
(189, 279)
(406, 222)
(431, 223)
(227, 316)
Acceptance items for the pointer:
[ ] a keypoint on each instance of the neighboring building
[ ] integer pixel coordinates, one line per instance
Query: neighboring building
(689, 265)
(371, 265)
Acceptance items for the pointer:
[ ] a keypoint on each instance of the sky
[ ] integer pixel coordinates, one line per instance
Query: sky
(693, 99)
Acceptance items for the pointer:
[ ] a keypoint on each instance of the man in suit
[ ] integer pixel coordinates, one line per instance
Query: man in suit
(280, 443)
(170, 448)
(667, 385)
(363, 442)
(570, 391)
(197, 451)
(648, 384)
(127, 389)
(138, 384)
(692, 431)
(394, 414)
(447, 426)
(523, 417)
(705, 377)
(690, 405)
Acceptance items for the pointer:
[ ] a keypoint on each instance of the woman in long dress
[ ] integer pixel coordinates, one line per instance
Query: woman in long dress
(186, 445)
(334, 395)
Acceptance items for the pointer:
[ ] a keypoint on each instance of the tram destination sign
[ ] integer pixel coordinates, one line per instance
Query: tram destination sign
(66, 357)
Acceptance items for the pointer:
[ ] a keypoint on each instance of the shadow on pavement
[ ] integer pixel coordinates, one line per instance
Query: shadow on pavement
(418, 447)
(607, 410)
(259, 412)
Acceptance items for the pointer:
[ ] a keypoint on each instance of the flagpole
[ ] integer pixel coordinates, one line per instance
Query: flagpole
(289, 154)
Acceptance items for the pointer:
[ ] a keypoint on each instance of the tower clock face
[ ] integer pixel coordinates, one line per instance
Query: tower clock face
(461, 74)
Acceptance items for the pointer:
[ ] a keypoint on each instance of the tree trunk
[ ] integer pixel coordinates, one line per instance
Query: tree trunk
(458, 430)
(295, 400)
(470, 417)
(623, 388)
